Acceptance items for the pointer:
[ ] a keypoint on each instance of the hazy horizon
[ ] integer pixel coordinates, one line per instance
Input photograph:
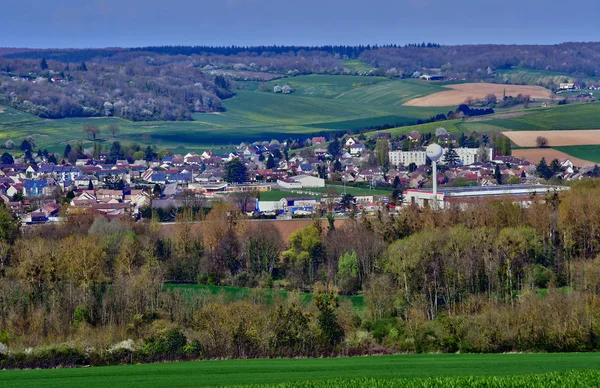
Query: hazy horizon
(136, 23)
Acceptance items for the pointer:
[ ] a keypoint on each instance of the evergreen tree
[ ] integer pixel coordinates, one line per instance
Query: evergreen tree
(337, 165)
(7, 158)
(334, 148)
(270, 162)
(555, 166)
(43, 64)
(115, 153)
(90, 185)
(498, 174)
(451, 157)
(235, 171)
(52, 159)
(543, 170)
(67, 151)
(25, 146)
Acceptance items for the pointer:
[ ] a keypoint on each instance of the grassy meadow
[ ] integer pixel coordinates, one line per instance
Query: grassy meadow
(231, 294)
(320, 104)
(434, 367)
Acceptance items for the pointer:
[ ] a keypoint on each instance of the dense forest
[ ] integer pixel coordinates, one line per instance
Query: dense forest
(489, 277)
(134, 91)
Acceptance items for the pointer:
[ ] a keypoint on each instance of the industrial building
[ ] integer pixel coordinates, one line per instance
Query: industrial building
(523, 194)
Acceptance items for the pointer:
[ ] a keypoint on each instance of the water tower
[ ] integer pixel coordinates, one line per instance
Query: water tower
(434, 153)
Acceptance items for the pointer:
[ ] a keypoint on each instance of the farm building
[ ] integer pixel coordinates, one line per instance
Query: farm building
(433, 77)
(465, 195)
(566, 86)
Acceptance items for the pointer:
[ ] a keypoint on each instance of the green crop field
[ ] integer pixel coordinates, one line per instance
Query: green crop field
(585, 152)
(536, 77)
(321, 103)
(532, 77)
(231, 294)
(325, 86)
(572, 116)
(394, 93)
(250, 115)
(356, 65)
(582, 379)
(318, 371)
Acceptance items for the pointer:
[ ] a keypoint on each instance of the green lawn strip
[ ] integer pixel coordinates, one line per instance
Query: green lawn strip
(248, 372)
(340, 189)
(242, 293)
(585, 152)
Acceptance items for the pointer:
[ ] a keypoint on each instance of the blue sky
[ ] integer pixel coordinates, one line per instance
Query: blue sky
(130, 23)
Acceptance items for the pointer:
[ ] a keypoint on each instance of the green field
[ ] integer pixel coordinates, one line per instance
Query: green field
(232, 294)
(585, 152)
(349, 190)
(325, 86)
(356, 65)
(536, 77)
(532, 77)
(246, 372)
(573, 116)
(320, 104)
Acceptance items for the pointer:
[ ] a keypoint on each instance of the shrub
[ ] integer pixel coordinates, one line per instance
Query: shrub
(167, 344)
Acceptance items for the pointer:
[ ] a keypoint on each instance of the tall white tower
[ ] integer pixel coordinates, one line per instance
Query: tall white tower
(434, 153)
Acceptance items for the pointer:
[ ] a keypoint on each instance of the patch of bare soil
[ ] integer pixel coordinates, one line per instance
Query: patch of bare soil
(555, 138)
(477, 91)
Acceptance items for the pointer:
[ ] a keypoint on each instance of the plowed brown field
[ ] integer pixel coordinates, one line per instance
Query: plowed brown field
(555, 138)
(477, 91)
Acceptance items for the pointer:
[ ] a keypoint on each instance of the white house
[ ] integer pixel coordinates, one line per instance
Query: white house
(357, 149)
(350, 141)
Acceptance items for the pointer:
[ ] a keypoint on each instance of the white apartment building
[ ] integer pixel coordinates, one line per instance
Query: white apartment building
(404, 158)
(419, 157)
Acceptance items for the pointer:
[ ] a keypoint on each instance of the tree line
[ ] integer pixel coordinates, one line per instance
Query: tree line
(485, 277)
